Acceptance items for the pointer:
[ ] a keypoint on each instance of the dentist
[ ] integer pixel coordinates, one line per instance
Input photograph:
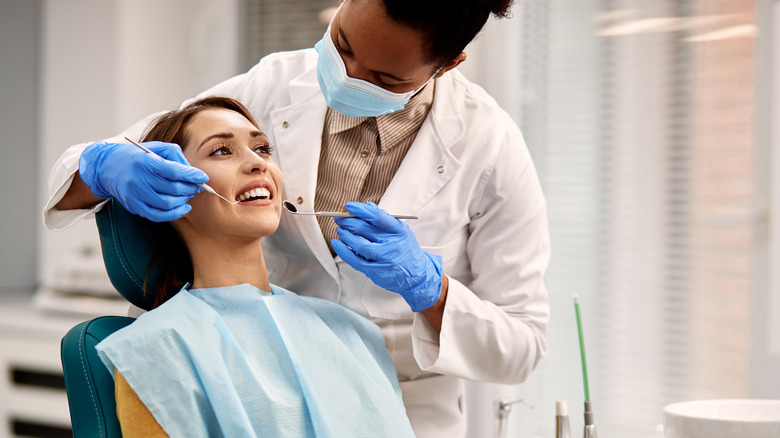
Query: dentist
(375, 118)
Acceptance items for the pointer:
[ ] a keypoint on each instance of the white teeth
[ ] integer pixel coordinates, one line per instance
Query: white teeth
(254, 193)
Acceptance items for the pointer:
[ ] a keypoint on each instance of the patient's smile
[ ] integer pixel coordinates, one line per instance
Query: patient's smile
(261, 193)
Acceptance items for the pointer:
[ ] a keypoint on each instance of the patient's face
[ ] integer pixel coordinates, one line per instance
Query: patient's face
(237, 158)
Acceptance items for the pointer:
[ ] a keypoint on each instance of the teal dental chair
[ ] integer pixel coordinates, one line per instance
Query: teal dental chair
(125, 240)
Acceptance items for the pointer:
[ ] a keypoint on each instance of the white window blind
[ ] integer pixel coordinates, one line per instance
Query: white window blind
(646, 151)
(269, 26)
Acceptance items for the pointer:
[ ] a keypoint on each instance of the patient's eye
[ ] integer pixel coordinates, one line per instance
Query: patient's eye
(264, 149)
(221, 149)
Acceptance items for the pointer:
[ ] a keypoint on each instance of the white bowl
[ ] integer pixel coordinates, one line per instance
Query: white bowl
(738, 418)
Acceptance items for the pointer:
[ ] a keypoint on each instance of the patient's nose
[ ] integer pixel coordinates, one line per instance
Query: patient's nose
(256, 163)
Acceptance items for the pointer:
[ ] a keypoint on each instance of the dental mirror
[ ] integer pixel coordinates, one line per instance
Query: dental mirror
(290, 207)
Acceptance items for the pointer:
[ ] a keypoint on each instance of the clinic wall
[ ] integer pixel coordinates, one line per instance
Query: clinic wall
(765, 348)
(107, 63)
(19, 48)
(772, 312)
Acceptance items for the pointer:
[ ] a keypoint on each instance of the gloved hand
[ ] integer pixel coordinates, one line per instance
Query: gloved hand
(385, 249)
(156, 187)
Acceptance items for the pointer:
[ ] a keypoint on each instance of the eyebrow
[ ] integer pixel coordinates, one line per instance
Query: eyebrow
(227, 136)
(222, 135)
(349, 47)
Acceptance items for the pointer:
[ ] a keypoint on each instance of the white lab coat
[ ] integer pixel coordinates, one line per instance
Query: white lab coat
(468, 176)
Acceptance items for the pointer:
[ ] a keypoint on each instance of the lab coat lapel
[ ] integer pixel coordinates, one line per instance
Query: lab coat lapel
(297, 128)
(429, 164)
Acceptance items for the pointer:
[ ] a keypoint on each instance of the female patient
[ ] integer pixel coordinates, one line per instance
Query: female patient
(232, 355)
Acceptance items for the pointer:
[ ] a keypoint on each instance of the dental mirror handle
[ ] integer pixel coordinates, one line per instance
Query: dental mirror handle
(344, 214)
(291, 208)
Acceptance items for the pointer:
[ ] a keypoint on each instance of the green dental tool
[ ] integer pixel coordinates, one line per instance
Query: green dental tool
(590, 426)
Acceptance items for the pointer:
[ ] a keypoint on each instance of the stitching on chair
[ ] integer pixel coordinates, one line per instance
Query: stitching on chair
(116, 247)
(86, 376)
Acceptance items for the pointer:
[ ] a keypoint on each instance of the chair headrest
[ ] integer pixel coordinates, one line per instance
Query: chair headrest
(126, 241)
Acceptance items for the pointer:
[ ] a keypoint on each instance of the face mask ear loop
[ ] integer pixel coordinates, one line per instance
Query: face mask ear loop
(436, 72)
(433, 76)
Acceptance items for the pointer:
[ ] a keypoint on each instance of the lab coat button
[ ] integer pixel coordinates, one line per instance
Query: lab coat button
(299, 200)
(440, 169)
(285, 124)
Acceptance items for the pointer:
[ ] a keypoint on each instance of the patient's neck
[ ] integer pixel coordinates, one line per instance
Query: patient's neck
(221, 261)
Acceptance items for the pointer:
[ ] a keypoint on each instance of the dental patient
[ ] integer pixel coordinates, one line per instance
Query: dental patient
(225, 353)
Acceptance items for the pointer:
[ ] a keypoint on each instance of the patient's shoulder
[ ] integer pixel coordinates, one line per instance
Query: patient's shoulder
(134, 417)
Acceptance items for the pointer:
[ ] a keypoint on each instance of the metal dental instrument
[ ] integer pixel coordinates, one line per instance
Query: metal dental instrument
(504, 408)
(204, 186)
(290, 207)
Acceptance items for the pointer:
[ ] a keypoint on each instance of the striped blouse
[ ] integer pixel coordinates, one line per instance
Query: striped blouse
(360, 155)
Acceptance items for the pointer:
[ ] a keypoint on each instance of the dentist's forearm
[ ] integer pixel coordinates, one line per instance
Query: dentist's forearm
(78, 196)
(435, 313)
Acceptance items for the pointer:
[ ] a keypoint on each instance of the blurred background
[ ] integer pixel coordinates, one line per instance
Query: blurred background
(654, 125)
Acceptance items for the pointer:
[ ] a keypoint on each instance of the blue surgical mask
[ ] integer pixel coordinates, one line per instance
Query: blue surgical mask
(350, 96)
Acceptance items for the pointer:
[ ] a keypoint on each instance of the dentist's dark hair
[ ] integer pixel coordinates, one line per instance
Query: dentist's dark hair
(448, 25)
(174, 265)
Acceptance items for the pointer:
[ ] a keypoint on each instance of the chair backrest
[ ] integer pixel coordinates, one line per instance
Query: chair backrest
(88, 383)
(126, 242)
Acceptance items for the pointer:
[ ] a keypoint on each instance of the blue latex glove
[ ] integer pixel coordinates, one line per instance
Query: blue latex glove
(156, 187)
(385, 249)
